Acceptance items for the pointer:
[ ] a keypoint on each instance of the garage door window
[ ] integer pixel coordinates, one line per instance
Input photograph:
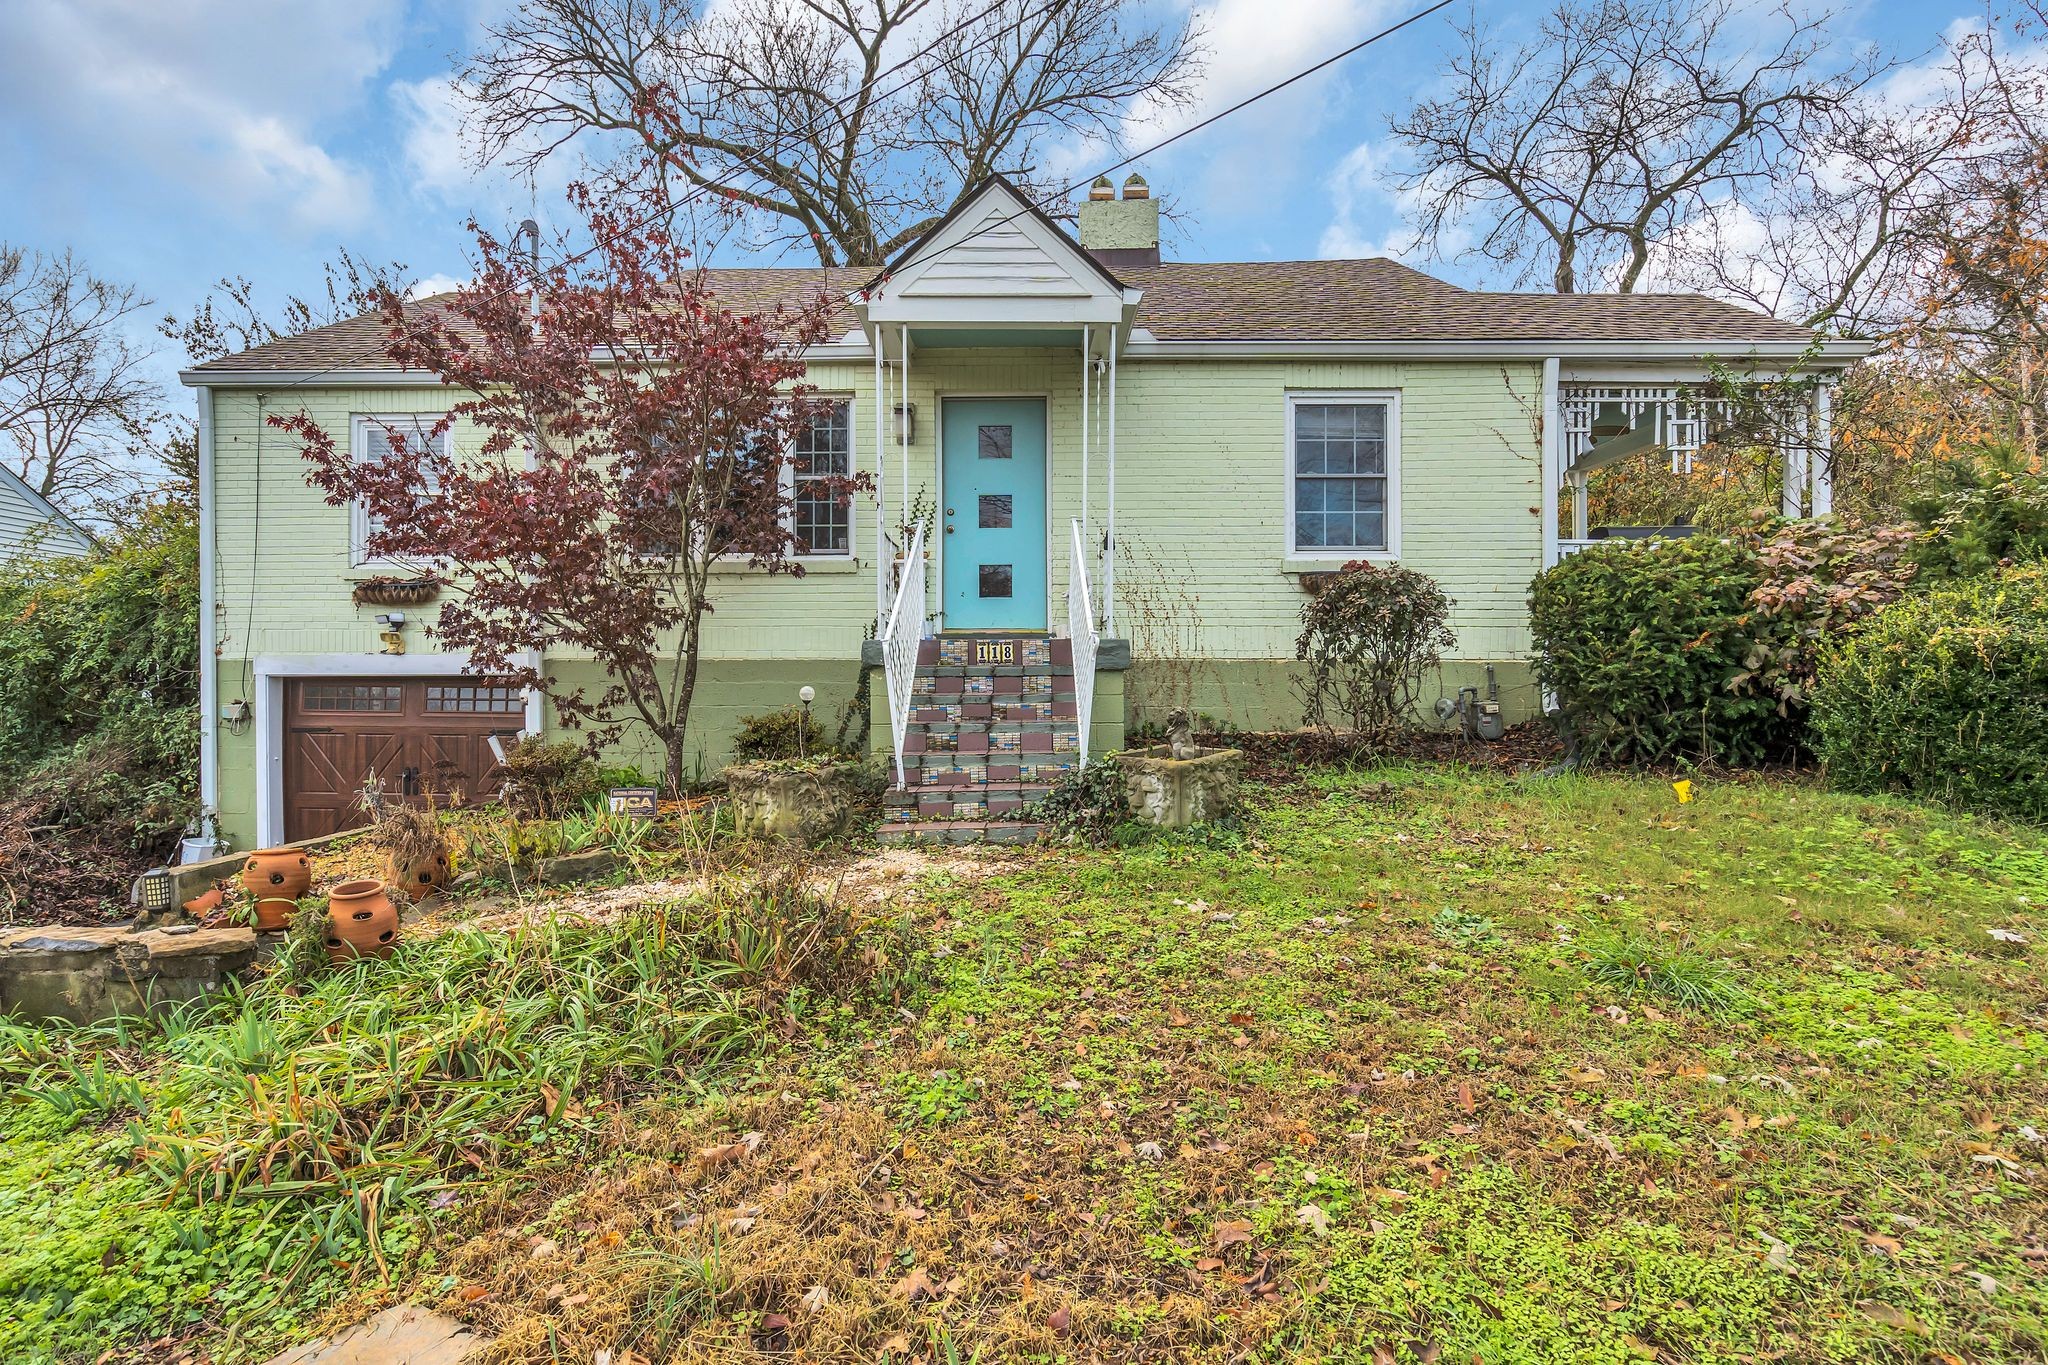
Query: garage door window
(351, 697)
(481, 701)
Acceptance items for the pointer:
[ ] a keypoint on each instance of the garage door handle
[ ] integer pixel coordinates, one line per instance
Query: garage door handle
(312, 729)
(411, 778)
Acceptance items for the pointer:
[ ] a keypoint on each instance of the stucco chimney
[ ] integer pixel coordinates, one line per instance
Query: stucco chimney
(1121, 233)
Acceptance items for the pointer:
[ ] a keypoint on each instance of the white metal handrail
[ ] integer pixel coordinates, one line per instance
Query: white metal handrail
(1081, 630)
(900, 636)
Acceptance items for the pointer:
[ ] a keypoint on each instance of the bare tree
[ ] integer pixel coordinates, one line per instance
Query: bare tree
(77, 404)
(230, 320)
(1575, 155)
(802, 116)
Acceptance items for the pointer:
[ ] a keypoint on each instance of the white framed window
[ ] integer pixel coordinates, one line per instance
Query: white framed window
(1343, 475)
(821, 518)
(374, 436)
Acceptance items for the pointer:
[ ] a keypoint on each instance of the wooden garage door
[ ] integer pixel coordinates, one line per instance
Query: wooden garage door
(412, 735)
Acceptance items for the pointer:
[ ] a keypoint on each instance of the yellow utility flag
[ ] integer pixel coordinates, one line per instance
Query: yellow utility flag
(1684, 789)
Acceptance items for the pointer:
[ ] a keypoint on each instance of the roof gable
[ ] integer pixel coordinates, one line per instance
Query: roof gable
(995, 244)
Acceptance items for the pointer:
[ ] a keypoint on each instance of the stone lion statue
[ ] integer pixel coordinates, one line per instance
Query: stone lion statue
(1180, 734)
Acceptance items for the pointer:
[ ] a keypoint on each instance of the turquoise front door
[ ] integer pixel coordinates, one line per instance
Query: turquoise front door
(994, 506)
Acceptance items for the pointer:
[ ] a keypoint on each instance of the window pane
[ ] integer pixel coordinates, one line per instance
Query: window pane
(997, 511)
(821, 518)
(995, 580)
(995, 443)
(350, 697)
(470, 700)
(1345, 513)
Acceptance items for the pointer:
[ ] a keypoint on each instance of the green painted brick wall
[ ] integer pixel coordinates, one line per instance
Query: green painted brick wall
(1202, 568)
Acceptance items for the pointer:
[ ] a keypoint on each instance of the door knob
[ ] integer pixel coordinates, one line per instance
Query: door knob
(949, 528)
(949, 511)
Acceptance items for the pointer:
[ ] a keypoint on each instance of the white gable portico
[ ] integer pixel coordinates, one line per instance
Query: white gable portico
(994, 272)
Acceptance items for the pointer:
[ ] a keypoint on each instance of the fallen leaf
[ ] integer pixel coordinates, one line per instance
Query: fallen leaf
(1466, 1101)
(1060, 1319)
(914, 1286)
(1312, 1217)
(816, 1297)
(1878, 1311)
(1890, 1246)
(1229, 1234)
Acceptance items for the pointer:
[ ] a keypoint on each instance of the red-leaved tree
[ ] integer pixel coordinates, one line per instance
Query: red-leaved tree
(619, 433)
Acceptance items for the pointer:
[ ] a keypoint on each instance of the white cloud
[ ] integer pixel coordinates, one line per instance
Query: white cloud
(221, 95)
(431, 111)
(437, 284)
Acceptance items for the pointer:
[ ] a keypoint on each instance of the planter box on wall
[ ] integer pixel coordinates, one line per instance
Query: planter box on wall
(1176, 792)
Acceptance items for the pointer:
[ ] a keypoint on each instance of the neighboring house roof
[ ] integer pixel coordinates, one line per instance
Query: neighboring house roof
(30, 520)
(1350, 300)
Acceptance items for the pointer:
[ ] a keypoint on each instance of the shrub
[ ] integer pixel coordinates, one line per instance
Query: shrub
(549, 780)
(1999, 516)
(1638, 642)
(1368, 637)
(788, 733)
(1945, 695)
(1818, 580)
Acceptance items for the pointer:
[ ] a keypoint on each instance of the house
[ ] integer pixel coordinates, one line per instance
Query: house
(30, 523)
(1101, 483)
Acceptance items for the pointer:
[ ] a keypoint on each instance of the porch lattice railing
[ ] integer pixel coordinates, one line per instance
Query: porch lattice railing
(1081, 630)
(900, 635)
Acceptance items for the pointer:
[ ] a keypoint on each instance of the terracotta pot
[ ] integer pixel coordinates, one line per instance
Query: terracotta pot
(273, 913)
(361, 921)
(421, 879)
(279, 873)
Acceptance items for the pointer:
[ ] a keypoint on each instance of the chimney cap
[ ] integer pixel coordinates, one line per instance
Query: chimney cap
(1135, 187)
(1102, 189)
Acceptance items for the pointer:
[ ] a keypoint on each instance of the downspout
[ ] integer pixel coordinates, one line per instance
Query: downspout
(209, 662)
(1552, 428)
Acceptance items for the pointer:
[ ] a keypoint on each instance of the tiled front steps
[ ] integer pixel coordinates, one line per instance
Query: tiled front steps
(985, 739)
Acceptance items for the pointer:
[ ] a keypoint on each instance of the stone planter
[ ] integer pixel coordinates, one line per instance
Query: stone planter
(1176, 792)
(801, 805)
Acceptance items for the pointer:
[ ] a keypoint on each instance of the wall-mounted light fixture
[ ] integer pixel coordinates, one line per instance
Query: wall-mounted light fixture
(905, 417)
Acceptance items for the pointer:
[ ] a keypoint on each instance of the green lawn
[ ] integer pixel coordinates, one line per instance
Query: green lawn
(1456, 1067)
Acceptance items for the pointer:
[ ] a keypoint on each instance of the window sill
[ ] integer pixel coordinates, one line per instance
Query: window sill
(832, 564)
(1330, 563)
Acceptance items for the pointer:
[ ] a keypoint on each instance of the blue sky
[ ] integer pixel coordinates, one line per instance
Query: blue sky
(170, 142)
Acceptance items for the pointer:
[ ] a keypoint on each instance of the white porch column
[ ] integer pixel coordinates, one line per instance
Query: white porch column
(1792, 474)
(1109, 551)
(1823, 472)
(1087, 345)
(903, 492)
(883, 559)
(1548, 462)
(1579, 514)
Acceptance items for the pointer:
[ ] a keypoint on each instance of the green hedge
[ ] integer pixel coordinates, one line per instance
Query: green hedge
(1944, 695)
(99, 682)
(1639, 641)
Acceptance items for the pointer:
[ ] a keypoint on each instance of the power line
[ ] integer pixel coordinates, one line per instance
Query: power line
(1039, 205)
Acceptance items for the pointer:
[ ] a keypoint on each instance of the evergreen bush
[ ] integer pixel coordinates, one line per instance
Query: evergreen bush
(1945, 695)
(1639, 643)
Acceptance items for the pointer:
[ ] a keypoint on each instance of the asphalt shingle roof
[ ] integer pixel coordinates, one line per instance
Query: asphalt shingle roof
(1357, 300)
